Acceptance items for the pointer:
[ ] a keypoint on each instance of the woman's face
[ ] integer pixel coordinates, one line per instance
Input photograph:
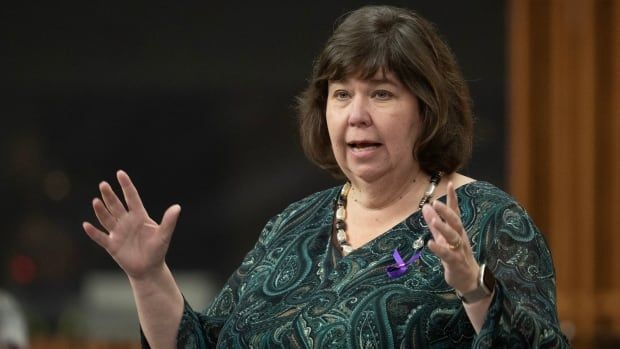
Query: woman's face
(373, 125)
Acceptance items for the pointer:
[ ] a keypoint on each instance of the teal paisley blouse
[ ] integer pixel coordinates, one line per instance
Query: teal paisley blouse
(295, 290)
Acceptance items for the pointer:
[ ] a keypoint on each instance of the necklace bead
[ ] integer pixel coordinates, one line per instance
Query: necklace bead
(341, 212)
(428, 194)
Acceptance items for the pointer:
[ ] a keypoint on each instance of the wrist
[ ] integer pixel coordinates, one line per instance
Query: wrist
(483, 288)
(155, 275)
(472, 284)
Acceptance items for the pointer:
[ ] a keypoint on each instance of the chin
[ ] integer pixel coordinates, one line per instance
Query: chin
(366, 176)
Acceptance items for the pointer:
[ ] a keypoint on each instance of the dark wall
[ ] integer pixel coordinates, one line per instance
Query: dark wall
(195, 101)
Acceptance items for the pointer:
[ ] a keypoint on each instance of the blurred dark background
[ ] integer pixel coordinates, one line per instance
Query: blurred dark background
(195, 100)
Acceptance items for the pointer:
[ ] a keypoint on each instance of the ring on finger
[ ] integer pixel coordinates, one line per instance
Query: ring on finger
(455, 246)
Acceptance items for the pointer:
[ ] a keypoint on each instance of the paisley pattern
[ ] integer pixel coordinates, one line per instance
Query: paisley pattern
(295, 290)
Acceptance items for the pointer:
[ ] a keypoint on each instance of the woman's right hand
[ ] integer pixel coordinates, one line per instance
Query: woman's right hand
(134, 240)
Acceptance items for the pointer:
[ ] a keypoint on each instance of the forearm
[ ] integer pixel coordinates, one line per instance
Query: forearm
(160, 307)
(477, 311)
(517, 322)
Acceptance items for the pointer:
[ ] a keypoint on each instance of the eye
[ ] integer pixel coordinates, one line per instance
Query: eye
(341, 95)
(382, 95)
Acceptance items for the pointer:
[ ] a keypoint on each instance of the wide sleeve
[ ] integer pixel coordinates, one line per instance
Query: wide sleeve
(523, 313)
(200, 330)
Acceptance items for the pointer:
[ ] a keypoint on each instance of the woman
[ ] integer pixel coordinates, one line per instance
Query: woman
(407, 253)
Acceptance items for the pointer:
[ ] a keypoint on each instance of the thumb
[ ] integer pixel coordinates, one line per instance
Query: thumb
(169, 221)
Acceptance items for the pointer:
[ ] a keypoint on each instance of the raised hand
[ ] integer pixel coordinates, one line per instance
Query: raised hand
(134, 240)
(450, 242)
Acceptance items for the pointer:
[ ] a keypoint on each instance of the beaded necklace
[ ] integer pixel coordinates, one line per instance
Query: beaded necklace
(341, 213)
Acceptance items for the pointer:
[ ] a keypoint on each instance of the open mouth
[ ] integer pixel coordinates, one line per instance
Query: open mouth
(359, 146)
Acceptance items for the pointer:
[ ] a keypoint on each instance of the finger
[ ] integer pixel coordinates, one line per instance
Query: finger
(449, 216)
(453, 201)
(103, 215)
(441, 251)
(112, 202)
(450, 235)
(132, 198)
(96, 235)
(430, 215)
(169, 221)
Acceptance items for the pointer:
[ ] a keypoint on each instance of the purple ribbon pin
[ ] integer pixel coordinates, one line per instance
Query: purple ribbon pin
(400, 267)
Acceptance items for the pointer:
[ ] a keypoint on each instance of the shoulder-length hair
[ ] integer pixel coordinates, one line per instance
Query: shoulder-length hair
(376, 38)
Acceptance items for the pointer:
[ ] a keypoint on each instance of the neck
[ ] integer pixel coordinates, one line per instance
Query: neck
(386, 192)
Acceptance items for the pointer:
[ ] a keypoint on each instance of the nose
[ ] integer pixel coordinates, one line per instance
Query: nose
(359, 114)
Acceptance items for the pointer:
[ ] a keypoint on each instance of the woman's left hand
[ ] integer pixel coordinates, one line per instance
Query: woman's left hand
(450, 242)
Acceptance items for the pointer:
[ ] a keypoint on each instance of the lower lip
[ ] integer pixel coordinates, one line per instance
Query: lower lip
(363, 152)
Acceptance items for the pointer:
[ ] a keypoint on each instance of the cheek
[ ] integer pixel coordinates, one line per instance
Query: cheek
(409, 140)
(332, 127)
(403, 137)
(336, 136)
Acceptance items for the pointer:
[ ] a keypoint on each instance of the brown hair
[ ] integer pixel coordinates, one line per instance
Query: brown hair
(375, 38)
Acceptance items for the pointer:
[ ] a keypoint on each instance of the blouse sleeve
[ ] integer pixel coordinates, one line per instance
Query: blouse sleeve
(523, 313)
(200, 330)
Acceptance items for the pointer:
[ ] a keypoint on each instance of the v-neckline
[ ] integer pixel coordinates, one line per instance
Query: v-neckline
(334, 248)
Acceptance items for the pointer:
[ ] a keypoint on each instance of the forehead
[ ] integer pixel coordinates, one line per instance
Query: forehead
(381, 76)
